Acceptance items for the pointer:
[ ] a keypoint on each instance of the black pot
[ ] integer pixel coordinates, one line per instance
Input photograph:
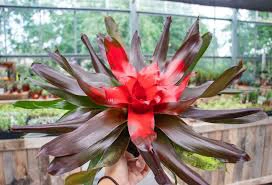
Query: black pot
(10, 135)
(269, 113)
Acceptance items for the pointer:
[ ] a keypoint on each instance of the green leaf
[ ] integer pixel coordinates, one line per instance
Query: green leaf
(112, 29)
(113, 153)
(198, 161)
(57, 104)
(224, 80)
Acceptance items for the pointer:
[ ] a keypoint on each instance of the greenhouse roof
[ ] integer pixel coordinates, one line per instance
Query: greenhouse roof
(260, 5)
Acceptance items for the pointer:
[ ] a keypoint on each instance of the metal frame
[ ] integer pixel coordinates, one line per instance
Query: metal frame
(134, 25)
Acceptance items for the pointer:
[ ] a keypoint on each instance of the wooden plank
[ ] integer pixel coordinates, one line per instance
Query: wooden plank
(2, 175)
(33, 166)
(56, 179)
(267, 153)
(260, 134)
(205, 174)
(250, 145)
(26, 143)
(257, 181)
(233, 135)
(9, 166)
(44, 176)
(238, 168)
(20, 157)
(269, 162)
(204, 127)
(215, 178)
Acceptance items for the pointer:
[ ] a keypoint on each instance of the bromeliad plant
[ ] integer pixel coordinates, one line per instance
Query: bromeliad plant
(135, 106)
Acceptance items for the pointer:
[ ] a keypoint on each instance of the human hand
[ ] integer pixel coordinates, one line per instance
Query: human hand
(127, 171)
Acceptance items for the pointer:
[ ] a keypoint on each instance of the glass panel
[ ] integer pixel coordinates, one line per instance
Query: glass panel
(166, 7)
(253, 71)
(247, 15)
(246, 39)
(265, 16)
(264, 39)
(179, 28)
(223, 40)
(222, 12)
(208, 25)
(89, 23)
(57, 30)
(206, 11)
(2, 32)
(20, 2)
(150, 29)
(116, 4)
(122, 19)
(209, 69)
(23, 31)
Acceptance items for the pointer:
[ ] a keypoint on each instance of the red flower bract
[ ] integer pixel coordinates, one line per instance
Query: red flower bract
(139, 92)
(135, 101)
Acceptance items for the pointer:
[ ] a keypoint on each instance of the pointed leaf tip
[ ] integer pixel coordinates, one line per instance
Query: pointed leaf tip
(112, 29)
(161, 49)
(136, 56)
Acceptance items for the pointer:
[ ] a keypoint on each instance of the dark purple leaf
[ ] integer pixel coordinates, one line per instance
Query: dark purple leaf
(170, 159)
(83, 101)
(71, 122)
(217, 115)
(212, 88)
(206, 40)
(85, 81)
(161, 49)
(57, 79)
(136, 56)
(152, 160)
(100, 42)
(174, 108)
(183, 59)
(86, 135)
(185, 137)
(242, 120)
(195, 92)
(94, 152)
(194, 30)
(96, 79)
(46, 128)
(98, 65)
(224, 80)
(79, 114)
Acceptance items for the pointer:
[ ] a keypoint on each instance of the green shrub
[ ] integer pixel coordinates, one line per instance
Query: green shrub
(10, 115)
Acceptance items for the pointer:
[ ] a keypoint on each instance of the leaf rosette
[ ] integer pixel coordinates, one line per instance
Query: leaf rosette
(136, 105)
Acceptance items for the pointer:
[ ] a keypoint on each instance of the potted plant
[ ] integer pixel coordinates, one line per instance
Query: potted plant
(133, 105)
